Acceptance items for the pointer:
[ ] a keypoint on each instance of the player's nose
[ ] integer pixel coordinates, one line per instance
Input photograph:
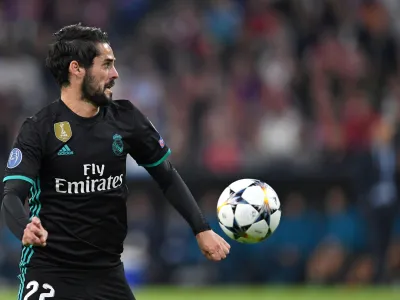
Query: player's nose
(114, 74)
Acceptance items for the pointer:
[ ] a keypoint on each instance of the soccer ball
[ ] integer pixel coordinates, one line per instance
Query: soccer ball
(249, 211)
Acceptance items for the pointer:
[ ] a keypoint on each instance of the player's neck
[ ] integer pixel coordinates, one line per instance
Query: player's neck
(74, 102)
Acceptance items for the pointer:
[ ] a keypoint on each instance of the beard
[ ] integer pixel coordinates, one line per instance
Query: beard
(94, 95)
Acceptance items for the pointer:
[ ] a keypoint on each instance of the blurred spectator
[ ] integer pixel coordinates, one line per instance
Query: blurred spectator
(340, 222)
(380, 194)
(293, 244)
(326, 264)
(361, 271)
(393, 261)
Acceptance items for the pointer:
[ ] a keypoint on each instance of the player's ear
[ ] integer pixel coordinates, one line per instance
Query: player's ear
(75, 69)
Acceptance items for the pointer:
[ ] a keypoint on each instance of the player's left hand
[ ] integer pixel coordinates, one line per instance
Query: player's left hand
(34, 234)
(213, 246)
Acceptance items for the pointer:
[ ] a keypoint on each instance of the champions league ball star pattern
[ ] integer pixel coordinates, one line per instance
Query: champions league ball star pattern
(249, 211)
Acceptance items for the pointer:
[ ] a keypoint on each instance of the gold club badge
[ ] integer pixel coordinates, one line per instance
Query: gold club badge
(63, 131)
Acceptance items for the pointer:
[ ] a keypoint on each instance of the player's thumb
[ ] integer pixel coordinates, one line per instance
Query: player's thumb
(43, 239)
(36, 221)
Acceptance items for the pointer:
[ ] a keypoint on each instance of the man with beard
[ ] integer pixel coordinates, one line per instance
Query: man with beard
(70, 160)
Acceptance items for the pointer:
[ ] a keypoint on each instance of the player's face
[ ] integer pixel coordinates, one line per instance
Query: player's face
(100, 78)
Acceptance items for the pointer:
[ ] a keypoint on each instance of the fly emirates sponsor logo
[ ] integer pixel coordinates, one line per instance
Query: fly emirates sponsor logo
(89, 185)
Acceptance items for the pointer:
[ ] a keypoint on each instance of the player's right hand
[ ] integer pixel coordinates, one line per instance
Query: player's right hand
(35, 234)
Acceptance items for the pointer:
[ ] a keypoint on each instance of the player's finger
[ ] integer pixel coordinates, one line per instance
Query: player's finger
(29, 234)
(219, 252)
(37, 225)
(216, 256)
(36, 221)
(44, 237)
(30, 239)
(34, 240)
(38, 243)
(224, 242)
(213, 256)
(36, 231)
(225, 249)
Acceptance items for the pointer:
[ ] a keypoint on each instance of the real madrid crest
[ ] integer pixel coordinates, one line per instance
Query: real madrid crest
(117, 145)
(63, 131)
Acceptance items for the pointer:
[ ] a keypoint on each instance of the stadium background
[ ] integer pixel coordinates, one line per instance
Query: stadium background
(298, 93)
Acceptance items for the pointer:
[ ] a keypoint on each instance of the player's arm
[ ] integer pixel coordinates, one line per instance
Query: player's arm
(12, 209)
(179, 195)
(151, 152)
(176, 191)
(16, 217)
(20, 177)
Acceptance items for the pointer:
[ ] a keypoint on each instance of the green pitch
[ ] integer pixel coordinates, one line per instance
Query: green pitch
(256, 293)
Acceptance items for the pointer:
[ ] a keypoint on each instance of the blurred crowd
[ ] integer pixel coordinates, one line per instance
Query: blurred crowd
(239, 85)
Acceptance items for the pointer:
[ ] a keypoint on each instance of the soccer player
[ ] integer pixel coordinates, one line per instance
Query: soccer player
(69, 159)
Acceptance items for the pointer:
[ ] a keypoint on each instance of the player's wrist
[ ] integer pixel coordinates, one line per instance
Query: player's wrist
(204, 227)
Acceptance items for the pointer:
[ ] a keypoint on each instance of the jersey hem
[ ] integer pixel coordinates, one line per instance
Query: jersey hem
(161, 160)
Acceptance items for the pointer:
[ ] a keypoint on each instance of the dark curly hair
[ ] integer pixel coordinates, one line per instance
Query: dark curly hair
(73, 42)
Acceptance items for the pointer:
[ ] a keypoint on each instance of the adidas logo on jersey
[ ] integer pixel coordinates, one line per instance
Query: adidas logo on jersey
(65, 151)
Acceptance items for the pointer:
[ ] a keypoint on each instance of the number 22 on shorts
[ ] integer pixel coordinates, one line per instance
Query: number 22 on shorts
(34, 285)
